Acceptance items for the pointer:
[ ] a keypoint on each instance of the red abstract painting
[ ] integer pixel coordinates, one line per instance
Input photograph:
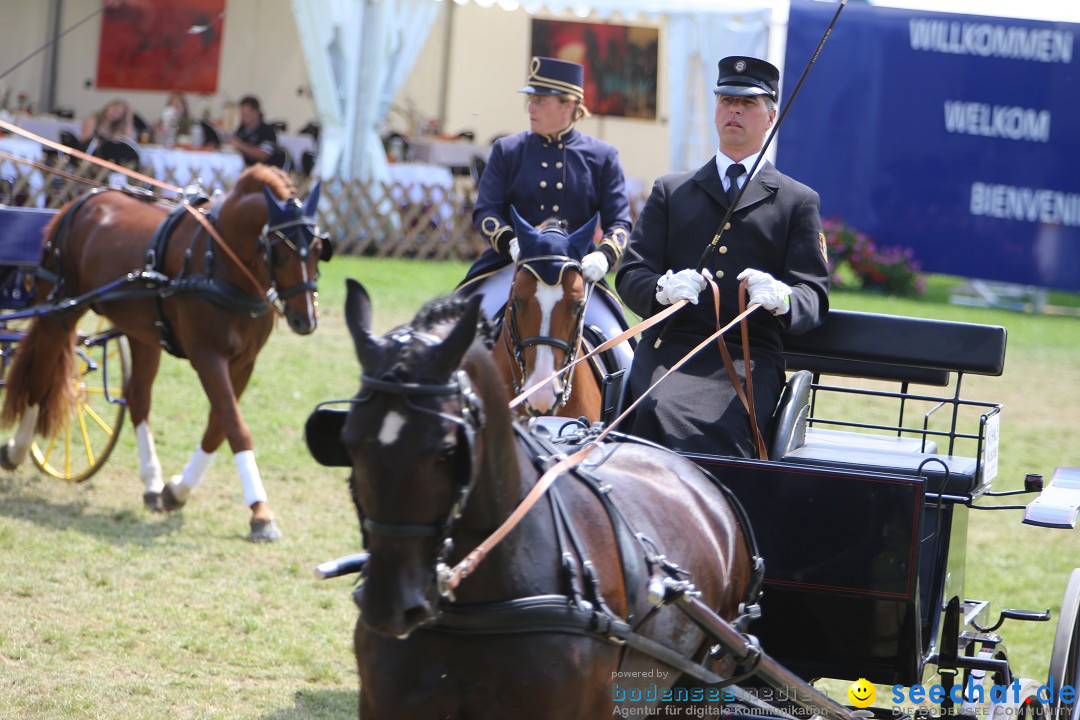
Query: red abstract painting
(620, 63)
(161, 45)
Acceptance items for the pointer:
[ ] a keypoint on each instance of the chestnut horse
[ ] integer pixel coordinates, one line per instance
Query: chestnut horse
(437, 464)
(209, 304)
(544, 319)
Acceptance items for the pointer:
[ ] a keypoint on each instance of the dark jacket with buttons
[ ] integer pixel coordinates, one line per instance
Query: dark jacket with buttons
(776, 229)
(570, 176)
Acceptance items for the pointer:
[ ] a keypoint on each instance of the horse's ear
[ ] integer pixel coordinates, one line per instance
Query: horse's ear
(581, 240)
(312, 202)
(525, 232)
(451, 351)
(275, 208)
(358, 320)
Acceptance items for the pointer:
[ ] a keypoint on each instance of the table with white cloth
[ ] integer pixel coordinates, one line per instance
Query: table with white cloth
(448, 153)
(178, 166)
(11, 170)
(417, 183)
(296, 145)
(48, 127)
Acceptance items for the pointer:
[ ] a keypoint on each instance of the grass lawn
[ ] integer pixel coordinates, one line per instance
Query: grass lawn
(107, 611)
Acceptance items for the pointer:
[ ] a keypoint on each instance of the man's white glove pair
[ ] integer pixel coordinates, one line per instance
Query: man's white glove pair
(594, 266)
(687, 284)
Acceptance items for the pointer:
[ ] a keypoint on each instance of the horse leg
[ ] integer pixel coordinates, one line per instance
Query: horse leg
(14, 451)
(39, 388)
(224, 384)
(145, 361)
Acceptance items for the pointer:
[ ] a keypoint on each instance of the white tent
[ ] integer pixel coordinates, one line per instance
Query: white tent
(359, 53)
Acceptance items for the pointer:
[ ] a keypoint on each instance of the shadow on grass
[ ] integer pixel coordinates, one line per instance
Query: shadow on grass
(318, 705)
(119, 527)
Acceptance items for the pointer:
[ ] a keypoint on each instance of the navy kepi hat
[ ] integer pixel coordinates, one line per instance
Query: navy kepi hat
(744, 76)
(548, 76)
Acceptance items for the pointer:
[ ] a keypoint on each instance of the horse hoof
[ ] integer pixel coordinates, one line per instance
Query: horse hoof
(170, 500)
(264, 531)
(152, 501)
(5, 461)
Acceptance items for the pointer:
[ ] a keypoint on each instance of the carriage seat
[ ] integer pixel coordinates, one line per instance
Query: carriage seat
(881, 347)
(960, 478)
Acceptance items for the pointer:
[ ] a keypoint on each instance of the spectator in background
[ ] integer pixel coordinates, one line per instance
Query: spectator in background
(175, 121)
(255, 139)
(113, 122)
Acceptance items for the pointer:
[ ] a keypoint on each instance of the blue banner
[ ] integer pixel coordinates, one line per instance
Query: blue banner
(955, 135)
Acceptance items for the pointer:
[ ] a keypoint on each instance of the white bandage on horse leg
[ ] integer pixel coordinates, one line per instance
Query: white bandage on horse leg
(149, 466)
(249, 477)
(193, 475)
(18, 445)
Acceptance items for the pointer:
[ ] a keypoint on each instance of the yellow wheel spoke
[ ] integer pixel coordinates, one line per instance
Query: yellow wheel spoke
(97, 419)
(85, 436)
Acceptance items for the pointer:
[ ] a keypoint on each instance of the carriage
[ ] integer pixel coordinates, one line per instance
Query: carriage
(83, 442)
(860, 514)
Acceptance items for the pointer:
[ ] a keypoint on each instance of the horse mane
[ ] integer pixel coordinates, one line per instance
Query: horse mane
(255, 177)
(450, 309)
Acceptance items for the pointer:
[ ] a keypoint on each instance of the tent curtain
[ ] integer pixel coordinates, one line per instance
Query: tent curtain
(696, 42)
(358, 54)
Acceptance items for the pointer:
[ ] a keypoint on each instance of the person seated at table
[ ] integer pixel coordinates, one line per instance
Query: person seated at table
(175, 120)
(255, 139)
(115, 121)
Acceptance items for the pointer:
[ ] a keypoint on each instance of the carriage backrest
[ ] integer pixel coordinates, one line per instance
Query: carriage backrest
(892, 347)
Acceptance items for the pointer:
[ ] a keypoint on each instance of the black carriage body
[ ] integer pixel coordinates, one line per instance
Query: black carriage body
(864, 533)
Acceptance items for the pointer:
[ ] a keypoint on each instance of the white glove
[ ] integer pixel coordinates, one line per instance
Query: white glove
(515, 249)
(767, 291)
(684, 285)
(594, 266)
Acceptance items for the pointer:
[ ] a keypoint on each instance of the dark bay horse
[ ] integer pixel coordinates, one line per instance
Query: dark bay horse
(207, 303)
(544, 320)
(437, 464)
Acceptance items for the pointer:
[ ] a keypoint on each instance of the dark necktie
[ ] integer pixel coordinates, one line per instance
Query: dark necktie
(733, 173)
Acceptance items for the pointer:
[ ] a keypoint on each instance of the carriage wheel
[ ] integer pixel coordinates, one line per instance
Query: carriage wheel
(88, 434)
(1065, 657)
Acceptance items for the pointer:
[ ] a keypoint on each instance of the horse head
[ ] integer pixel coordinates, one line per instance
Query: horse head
(293, 245)
(545, 312)
(412, 434)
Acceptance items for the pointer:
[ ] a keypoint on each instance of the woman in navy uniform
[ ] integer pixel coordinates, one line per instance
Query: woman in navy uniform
(552, 172)
(775, 242)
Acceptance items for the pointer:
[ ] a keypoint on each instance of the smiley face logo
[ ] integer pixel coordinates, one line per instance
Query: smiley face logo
(861, 693)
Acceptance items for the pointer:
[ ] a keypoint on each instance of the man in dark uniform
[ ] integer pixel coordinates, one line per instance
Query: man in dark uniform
(255, 139)
(551, 172)
(775, 242)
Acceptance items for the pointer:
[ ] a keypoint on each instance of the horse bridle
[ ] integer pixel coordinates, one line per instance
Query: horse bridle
(515, 344)
(469, 422)
(298, 235)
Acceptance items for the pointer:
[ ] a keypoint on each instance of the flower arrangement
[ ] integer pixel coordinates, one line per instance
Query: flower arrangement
(855, 260)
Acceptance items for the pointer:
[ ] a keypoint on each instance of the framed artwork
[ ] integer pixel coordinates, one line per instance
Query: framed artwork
(161, 45)
(620, 63)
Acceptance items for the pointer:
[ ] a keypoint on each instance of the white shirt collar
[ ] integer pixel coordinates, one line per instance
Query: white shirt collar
(723, 162)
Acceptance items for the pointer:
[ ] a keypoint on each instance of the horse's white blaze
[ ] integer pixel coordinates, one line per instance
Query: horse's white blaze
(149, 466)
(18, 445)
(391, 427)
(544, 399)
